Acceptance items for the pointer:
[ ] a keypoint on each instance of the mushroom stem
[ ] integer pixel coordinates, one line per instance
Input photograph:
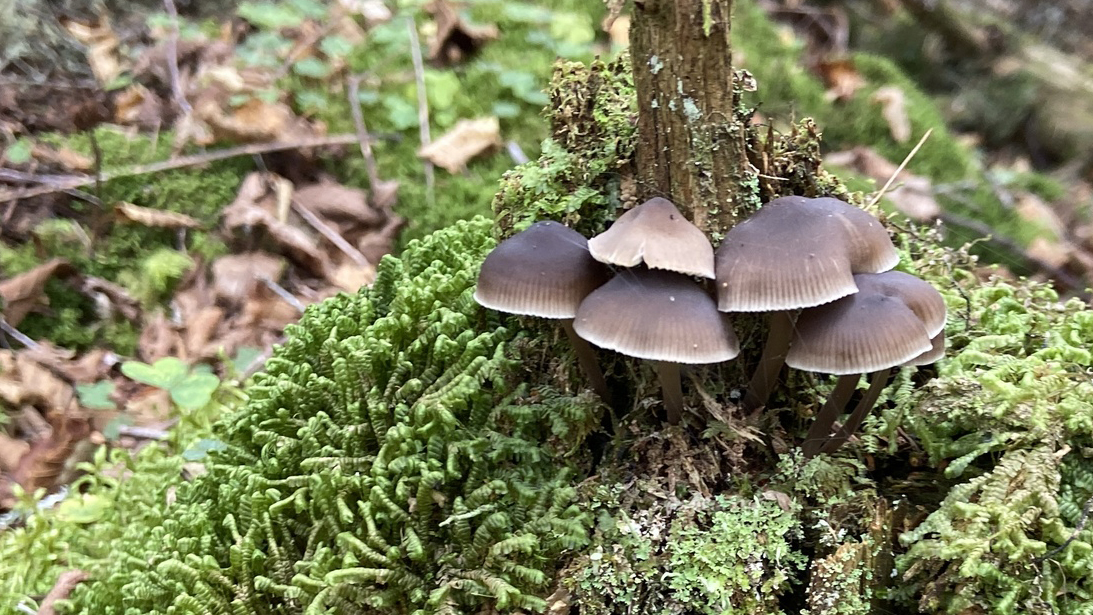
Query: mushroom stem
(821, 427)
(774, 356)
(671, 384)
(586, 358)
(877, 381)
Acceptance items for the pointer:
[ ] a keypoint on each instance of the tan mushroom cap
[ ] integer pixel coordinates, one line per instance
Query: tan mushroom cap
(797, 252)
(657, 315)
(864, 332)
(544, 271)
(934, 354)
(657, 234)
(918, 294)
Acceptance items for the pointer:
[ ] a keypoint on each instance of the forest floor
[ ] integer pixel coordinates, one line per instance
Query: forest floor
(176, 189)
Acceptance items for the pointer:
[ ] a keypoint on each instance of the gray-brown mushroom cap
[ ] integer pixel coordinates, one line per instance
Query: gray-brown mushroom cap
(934, 354)
(797, 252)
(659, 316)
(657, 234)
(544, 271)
(864, 332)
(918, 294)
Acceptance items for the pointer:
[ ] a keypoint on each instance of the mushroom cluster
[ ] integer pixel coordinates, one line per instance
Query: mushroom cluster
(819, 267)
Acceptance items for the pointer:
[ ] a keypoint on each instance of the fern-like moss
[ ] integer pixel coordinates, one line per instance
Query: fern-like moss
(383, 464)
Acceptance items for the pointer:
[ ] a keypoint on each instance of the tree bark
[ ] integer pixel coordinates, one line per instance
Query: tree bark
(691, 127)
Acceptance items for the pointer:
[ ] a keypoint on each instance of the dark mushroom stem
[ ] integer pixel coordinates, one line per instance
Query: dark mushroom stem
(672, 386)
(586, 358)
(836, 402)
(774, 356)
(877, 381)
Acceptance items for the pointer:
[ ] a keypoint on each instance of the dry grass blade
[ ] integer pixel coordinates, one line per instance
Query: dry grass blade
(877, 197)
(154, 217)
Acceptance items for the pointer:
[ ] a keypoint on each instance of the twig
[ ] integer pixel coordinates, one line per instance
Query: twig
(172, 59)
(1086, 510)
(280, 291)
(77, 181)
(362, 137)
(17, 335)
(422, 108)
(899, 169)
(61, 590)
(331, 234)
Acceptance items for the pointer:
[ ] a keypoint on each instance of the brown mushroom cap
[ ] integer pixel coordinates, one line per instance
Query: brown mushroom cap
(918, 294)
(934, 354)
(865, 332)
(544, 271)
(657, 315)
(797, 252)
(657, 233)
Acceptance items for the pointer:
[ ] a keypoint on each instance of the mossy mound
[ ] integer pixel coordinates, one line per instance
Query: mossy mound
(383, 463)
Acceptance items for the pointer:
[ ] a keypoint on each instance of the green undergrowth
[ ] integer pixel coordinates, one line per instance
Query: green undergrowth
(385, 462)
(789, 89)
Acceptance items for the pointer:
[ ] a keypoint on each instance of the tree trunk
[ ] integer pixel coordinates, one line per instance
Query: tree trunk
(691, 130)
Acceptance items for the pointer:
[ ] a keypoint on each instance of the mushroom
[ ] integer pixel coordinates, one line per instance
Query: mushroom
(794, 253)
(892, 320)
(545, 271)
(657, 234)
(660, 316)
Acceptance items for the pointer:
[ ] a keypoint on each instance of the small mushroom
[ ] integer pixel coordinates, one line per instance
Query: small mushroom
(794, 253)
(660, 316)
(545, 271)
(657, 234)
(890, 321)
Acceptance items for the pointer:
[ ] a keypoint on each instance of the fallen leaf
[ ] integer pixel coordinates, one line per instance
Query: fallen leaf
(159, 338)
(62, 589)
(44, 461)
(236, 276)
(912, 195)
(339, 202)
(102, 47)
(110, 298)
(64, 158)
(1050, 251)
(158, 218)
(23, 292)
(11, 451)
(467, 139)
(455, 40)
(373, 11)
(350, 276)
(200, 329)
(894, 111)
(137, 105)
(841, 78)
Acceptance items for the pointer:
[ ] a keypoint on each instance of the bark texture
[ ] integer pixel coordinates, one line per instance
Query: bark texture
(691, 127)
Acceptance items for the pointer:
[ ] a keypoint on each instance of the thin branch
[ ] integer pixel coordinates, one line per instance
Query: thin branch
(15, 334)
(899, 169)
(363, 138)
(1086, 510)
(172, 59)
(332, 235)
(79, 181)
(280, 291)
(422, 108)
(62, 589)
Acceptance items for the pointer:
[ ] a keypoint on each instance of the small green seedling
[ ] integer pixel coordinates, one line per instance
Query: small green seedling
(97, 396)
(191, 391)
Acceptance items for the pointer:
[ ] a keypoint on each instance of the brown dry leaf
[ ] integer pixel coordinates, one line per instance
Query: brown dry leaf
(841, 78)
(11, 451)
(455, 40)
(137, 105)
(200, 330)
(1033, 209)
(102, 47)
(91, 367)
(249, 214)
(913, 195)
(158, 218)
(235, 277)
(619, 30)
(1052, 252)
(41, 387)
(467, 139)
(23, 292)
(894, 111)
(158, 339)
(110, 298)
(148, 405)
(373, 11)
(46, 457)
(256, 121)
(336, 201)
(384, 195)
(63, 158)
(350, 276)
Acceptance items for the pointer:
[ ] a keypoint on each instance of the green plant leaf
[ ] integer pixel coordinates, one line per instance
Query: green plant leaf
(97, 396)
(402, 114)
(194, 391)
(112, 429)
(85, 508)
(311, 67)
(335, 46)
(201, 448)
(244, 357)
(164, 374)
(270, 15)
(441, 88)
(19, 152)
